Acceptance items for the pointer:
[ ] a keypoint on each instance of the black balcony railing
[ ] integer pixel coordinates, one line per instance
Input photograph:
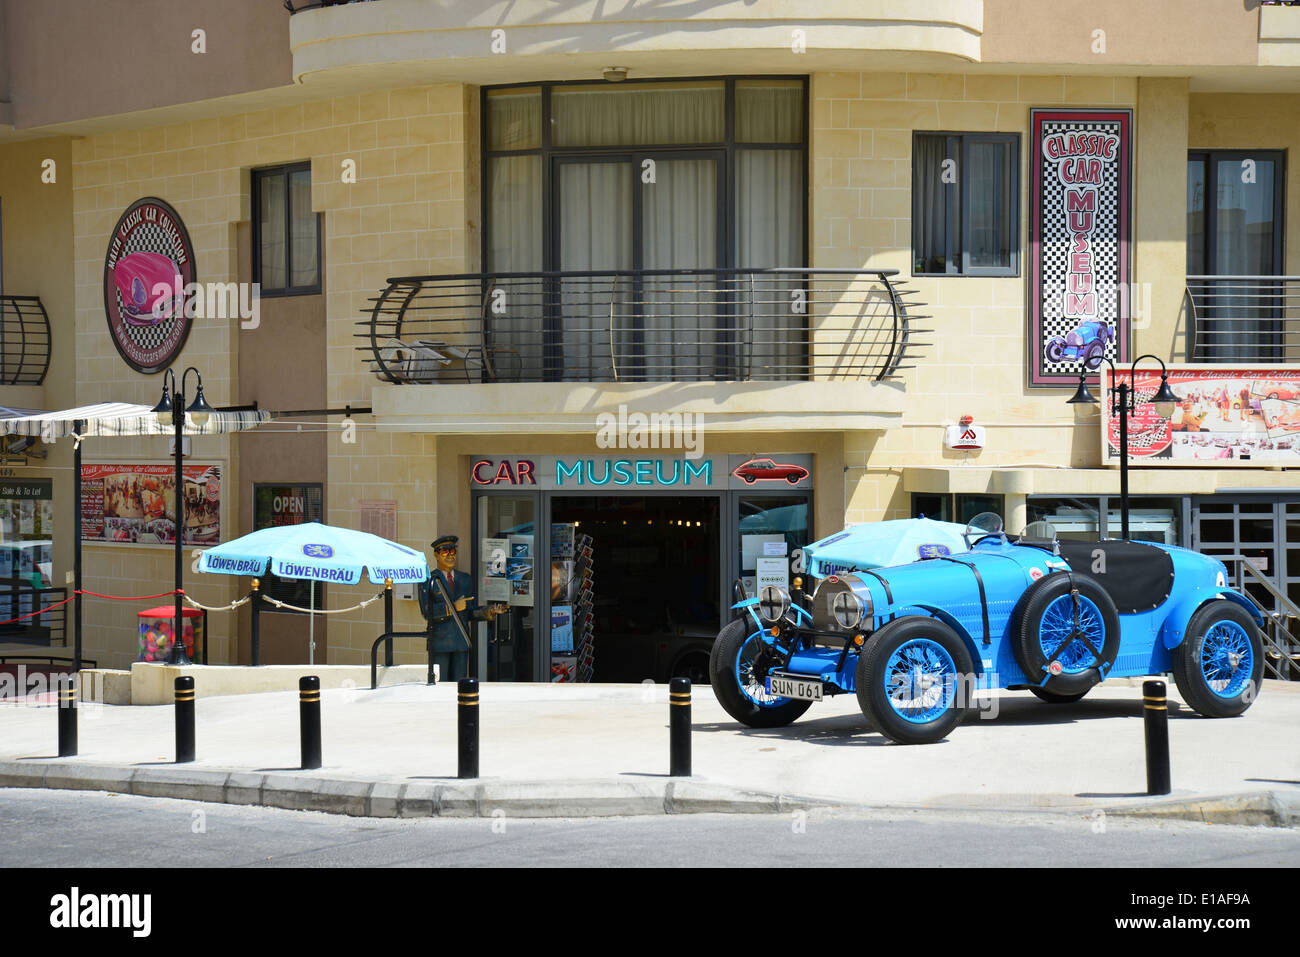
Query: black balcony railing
(1243, 319)
(24, 341)
(642, 325)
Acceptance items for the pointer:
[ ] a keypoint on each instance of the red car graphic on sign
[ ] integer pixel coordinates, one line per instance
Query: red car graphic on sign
(765, 470)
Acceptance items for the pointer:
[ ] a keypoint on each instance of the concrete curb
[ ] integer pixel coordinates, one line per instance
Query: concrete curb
(1257, 809)
(303, 791)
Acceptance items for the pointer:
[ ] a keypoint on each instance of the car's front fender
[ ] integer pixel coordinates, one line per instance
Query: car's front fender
(1174, 630)
(971, 645)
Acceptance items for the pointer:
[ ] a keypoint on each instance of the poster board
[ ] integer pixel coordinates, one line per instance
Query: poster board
(135, 504)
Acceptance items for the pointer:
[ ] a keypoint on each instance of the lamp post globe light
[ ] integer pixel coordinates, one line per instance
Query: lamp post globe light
(167, 409)
(1123, 403)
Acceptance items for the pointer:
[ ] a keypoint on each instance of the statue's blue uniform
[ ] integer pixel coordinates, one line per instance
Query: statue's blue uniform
(448, 645)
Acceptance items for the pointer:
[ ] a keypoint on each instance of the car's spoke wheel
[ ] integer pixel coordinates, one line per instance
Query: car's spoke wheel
(1050, 643)
(737, 671)
(914, 680)
(1220, 663)
(1055, 350)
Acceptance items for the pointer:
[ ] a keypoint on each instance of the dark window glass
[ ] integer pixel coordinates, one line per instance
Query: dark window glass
(286, 233)
(275, 505)
(965, 204)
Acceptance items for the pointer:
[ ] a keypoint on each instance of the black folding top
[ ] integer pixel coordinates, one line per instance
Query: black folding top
(1137, 576)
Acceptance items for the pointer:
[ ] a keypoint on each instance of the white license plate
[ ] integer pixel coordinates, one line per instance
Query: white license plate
(795, 688)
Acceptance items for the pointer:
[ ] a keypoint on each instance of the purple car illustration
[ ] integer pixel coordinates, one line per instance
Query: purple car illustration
(1087, 341)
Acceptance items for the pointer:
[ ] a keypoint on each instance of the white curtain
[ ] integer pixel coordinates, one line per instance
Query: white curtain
(514, 119)
(991, 222)
(1243, 246)
(595, 212)
(303, 270)
(638, 116)
(679, 230)
(770, 233)
(514, 229)
(769, 111)
(271, 219)
(930, 205)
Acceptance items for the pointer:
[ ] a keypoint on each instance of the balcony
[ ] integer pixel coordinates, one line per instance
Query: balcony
(24, 341)
(757, 348)
(1243, 319)
(408, 42)
(1279, 34)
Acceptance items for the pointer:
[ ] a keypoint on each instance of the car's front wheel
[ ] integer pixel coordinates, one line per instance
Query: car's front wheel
(914, 680)
(738, 668)
(1220, 663)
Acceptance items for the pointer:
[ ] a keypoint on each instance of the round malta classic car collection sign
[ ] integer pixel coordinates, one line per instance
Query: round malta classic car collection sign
(147, 269)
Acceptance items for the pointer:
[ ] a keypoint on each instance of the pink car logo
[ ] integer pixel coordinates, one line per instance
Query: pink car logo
(146, 283)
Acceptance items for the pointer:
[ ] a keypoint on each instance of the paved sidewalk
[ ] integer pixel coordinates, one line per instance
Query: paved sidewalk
(583, 750)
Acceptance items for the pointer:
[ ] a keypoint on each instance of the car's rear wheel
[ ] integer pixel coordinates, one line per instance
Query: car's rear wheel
(1050, 644)
(1220, 663)
(913, 680)
(1092, 356)
(737, 671)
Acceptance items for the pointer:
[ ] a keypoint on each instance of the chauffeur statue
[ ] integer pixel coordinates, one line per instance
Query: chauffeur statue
(447, 644)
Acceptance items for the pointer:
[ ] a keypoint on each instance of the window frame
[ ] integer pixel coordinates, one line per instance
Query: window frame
(1210, 222)
(958, 218)
(283, 171)
(730, 147)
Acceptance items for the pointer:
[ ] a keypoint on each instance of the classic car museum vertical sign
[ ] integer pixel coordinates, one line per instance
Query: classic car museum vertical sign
(1079, 229)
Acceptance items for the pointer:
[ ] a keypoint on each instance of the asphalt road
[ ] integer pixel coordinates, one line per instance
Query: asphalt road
(93, 829)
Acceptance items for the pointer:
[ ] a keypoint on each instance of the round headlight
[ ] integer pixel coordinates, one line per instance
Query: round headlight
(847, 609)
(773, 603)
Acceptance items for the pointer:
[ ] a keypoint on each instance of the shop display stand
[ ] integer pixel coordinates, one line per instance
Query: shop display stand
(584, 609)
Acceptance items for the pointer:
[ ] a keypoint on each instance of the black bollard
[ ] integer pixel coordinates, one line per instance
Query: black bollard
(309, 717)
(388, 622)
(184, 719)
(67, 716)
(256, 607)
(679, 728)
(1155, 709)
(467, 726)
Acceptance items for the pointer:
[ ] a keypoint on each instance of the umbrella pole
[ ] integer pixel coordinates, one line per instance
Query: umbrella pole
(311, 622)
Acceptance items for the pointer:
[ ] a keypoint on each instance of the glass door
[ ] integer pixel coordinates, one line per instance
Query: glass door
(506, 554)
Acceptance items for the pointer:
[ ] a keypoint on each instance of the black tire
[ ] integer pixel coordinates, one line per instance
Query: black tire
(875, 677)
(1092, 356)
(1219, 616)
(1041, 599)
(1052, 698)
(794, 479)
(723, 676)
(749, 479)
(1055, 350)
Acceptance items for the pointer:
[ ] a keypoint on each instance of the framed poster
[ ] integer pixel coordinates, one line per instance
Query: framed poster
(136, 504)
(1225, 416)
(1080, 223)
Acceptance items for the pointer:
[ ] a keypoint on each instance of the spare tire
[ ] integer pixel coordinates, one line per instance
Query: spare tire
(1045, 623)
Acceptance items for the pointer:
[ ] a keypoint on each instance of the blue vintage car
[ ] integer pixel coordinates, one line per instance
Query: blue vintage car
(1086, 342)
(915, 641)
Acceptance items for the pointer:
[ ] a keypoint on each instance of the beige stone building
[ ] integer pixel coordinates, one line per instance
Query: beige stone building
(659, 293)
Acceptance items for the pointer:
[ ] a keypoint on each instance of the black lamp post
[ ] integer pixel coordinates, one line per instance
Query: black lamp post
(168, 412)
(1123, 402)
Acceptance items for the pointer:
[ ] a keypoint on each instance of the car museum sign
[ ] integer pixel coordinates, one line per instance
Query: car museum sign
(607, 473)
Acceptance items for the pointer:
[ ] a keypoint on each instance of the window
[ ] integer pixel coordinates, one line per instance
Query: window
(944, 507)
(695, 175)
(286, 233)
(1238, 234)
(966, 204)
(275, 505)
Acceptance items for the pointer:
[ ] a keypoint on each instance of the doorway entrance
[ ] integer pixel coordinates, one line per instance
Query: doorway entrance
(656, 561)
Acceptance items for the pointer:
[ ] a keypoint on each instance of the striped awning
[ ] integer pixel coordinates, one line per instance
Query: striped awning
(118, 418)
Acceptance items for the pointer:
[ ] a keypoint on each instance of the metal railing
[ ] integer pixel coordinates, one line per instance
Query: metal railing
(1281, 646)
(642, 325)
(1243, 319)
(18, 598)
(24, 340)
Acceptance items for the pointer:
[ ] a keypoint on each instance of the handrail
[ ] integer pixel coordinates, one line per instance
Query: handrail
(389, 636)
(1274, 650)
(1242, 318)
(654, 325)
(52, 659)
